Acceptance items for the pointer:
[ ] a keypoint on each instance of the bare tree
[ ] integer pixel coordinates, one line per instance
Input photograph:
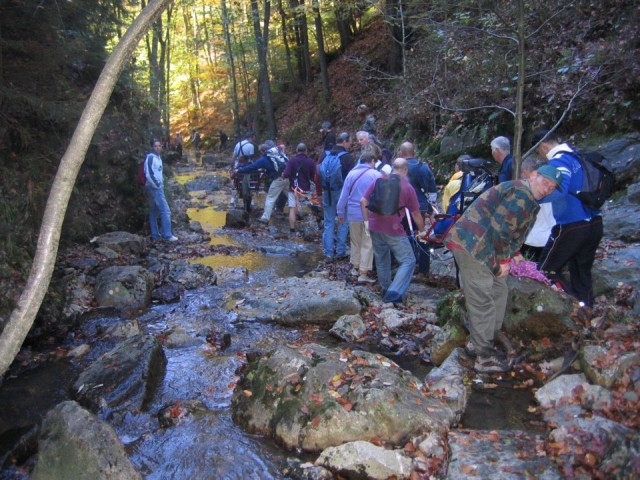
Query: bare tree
(322, 56)
(262, 41)
(30, 300)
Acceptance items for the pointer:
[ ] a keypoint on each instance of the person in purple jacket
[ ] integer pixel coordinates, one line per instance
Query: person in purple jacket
(356, 183)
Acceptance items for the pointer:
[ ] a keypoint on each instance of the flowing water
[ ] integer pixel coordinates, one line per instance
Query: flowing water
(203, 442)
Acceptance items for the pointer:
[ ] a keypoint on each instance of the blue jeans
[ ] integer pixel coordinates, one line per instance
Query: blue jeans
(384, 245)
(158, 207)
(330, 207)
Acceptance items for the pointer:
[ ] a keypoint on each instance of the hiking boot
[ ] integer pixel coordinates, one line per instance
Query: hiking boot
(264, 220)
(354, 272)
(486, 364)
(506, 343)
(470, 350)
(366, 279)
(172, 238)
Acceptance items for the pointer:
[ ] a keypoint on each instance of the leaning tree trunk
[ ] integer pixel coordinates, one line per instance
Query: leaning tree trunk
(517, 133)
(29, 303)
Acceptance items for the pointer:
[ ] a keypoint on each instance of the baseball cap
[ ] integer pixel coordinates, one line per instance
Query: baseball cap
(552, 173)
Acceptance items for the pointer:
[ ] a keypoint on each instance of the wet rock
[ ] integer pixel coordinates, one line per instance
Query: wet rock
(571, 388)
(171, 415)
(124, 287)
(108, 253)
(358, 459)
(445, 341)
(179, 338)
(124, 378)
(78, 295)
(620, 223)
(278, 250)
(167, 293)
(191, 275)
(313, 398)
(617, 267)
(296, 470)
(79, 351)
(74, 444)
(121, 242)
(349, 328)
(448, 381)
(585, 438)
(593, 359)
(237, 218)
(396, 320)
(535, 310)
(195, 226)
(502, 455)
(232, 275)
(295, 301)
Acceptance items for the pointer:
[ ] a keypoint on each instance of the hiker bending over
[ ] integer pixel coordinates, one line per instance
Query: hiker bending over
(485, 238)
(383, 208)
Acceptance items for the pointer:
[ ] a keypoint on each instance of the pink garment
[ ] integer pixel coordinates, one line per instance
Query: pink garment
(392, 224)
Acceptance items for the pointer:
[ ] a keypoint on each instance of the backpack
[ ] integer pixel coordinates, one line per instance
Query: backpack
(141, 178)
(598, 181)
(278, 159)
(330, 171)
(385, 198)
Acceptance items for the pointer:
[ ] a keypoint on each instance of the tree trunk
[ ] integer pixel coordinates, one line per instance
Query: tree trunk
(262, 41)
(232, 67)
(29, 303)
(285, 41)
(517, 132)
(322, 56)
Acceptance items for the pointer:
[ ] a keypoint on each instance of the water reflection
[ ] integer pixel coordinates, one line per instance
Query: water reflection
(211, 220)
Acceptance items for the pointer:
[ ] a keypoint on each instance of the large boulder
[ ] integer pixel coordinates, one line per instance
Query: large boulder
(124, 378)
(75, 445)
(297, 301)
(312, 398)
(124, 287)
(535, 310)
(617, 267)
(121, 242)
(191, 275)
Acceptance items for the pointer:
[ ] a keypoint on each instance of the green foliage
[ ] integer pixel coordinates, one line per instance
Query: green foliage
(450, 309)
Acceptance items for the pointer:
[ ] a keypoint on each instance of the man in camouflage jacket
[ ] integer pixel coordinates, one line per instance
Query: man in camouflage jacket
(483, 241)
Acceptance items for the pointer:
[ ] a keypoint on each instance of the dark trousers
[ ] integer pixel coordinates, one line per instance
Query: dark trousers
(421, 250)
(573, 245)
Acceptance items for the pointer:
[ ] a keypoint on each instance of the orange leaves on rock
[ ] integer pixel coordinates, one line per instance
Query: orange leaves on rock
(337, 381)
(469, 470)
(346, 404)
(493, 436)
(315, 422)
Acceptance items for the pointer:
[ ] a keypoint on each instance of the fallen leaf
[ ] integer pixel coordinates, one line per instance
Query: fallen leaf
(247, 393)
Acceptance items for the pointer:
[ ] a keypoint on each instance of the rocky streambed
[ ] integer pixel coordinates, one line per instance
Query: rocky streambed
(238, 353)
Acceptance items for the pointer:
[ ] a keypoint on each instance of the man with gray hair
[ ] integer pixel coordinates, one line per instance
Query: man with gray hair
(501, 152)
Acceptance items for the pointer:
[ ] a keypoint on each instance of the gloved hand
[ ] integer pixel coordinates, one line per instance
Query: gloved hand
(366, 228)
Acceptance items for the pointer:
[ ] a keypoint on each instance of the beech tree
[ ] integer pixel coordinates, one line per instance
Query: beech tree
(23, 315)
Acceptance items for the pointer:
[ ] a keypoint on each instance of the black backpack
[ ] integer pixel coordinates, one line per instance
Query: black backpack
(598, 181)
(385, 198)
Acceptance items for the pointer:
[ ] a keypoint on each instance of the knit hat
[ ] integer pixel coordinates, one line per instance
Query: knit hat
(552, 173)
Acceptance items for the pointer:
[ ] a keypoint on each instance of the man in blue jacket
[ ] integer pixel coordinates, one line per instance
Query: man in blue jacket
(501, 153)
(578, 230)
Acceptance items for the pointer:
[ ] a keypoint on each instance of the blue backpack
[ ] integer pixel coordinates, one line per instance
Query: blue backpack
(330, 172)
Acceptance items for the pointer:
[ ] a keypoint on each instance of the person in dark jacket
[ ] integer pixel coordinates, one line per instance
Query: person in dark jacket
(501, 152)
(300, 171)
(423, 182)
(330, 204)
(278, 183)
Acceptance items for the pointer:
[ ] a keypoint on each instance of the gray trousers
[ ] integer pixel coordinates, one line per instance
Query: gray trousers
(485, 296)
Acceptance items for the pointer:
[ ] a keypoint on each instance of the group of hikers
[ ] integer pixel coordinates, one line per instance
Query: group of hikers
(379, 201)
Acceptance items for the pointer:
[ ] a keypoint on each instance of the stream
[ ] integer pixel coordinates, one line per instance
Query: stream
(207, 444)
